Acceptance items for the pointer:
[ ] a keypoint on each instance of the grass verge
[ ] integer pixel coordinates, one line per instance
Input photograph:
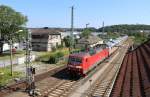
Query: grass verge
(5, 76)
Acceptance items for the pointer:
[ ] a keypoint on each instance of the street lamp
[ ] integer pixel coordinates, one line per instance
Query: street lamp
(87, 25)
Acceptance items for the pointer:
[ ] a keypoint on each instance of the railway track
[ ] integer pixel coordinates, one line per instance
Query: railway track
(60, 90)
(56, 85)
(102, 87)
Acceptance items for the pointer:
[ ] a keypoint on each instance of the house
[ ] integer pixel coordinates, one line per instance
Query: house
(44, 39)
(90, 41)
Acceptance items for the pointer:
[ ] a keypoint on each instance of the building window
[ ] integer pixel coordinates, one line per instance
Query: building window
(36, 36)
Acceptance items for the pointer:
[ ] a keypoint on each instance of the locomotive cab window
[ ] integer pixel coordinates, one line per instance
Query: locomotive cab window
(78, 60)
(72, 59)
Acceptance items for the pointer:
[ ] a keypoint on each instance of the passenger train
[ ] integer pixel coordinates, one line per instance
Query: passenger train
(83, 62)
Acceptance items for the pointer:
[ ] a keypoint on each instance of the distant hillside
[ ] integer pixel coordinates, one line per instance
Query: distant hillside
(112, 28)
(125, 28)
(61, 29)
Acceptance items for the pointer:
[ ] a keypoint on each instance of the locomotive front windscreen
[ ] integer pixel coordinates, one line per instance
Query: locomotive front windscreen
(75, 60)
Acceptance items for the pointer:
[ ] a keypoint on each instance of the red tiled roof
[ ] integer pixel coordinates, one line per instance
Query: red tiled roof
(133, 79)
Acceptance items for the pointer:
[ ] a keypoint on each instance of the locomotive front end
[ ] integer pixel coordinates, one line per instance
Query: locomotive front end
(75, 65)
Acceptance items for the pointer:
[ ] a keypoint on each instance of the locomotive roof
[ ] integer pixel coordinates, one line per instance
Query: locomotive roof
(80, 54)
(87, 53)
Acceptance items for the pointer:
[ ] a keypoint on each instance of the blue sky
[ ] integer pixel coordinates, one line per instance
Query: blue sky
(56, 13)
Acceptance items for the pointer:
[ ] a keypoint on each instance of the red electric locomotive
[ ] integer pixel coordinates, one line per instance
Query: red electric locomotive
(81, 63)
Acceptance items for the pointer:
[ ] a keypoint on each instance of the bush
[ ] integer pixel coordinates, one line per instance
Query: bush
(60, 46)
(59, 54)
(43, 58)
(53, 49)
(53, 59)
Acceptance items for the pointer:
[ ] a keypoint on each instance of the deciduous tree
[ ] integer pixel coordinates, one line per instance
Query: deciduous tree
(10, 23)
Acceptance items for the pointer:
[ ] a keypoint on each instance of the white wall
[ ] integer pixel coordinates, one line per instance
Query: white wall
(6, 46)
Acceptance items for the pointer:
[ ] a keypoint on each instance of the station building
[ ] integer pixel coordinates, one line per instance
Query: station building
(88, 42)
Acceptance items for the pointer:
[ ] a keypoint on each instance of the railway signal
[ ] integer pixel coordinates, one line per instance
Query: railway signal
(30, 71)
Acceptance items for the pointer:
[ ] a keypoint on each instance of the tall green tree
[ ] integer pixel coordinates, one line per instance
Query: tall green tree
(86, 32)
(11, 22)
(67, 40)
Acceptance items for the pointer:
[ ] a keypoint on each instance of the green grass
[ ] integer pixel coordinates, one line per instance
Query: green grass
(5, 75)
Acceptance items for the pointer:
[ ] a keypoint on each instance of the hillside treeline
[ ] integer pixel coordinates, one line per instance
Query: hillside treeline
(125, 28)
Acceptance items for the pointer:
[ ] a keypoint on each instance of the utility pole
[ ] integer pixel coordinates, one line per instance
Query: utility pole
(72, 29)
(103, 30)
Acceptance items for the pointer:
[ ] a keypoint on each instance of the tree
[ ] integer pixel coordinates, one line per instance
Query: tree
(125, 28)
(67, 40)
(86, 32)
(10, 23)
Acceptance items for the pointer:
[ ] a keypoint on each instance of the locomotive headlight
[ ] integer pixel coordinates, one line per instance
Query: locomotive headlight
(78, 67)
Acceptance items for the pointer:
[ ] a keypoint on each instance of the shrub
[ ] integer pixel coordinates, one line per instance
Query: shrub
(53, 49)
(53, 59)
(60, 46)
(43, 58)
(59, 54)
